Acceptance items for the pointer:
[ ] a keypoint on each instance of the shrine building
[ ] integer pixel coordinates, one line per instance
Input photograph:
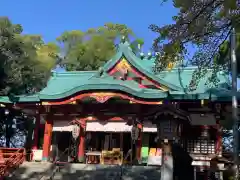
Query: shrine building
(126, 108)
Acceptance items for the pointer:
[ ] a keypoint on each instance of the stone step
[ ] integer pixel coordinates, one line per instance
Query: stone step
(37, 170)
(101, 172)
(31, 171)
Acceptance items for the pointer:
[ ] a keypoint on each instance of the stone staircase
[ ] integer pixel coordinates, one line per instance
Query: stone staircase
(47, 171)
(31, 171)
(106, 172)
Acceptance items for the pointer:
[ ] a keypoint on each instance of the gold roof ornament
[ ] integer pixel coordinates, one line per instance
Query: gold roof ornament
(170, 66)
(177, 62)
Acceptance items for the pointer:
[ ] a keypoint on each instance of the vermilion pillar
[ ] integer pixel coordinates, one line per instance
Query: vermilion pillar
(81, 147)
(139, 143)
(218, 145)
(36, 132)
(47, 138)
(219, 139)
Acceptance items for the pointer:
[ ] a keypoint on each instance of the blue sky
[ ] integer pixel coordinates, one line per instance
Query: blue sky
(52, 17)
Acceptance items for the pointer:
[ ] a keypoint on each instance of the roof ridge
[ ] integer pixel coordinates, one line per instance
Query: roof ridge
(186, 69)
(71, 73)
(132, 60)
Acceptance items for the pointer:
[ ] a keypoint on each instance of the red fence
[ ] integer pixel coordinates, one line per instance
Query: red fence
(10, 158)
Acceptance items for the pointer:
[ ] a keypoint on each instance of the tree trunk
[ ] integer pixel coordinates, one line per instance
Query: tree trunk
(8, 137)
(29, 139)
(8, 134)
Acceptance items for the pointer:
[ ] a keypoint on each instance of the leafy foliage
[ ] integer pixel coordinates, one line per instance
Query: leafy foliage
(224, 54)
(25, 66)
(25, 62)
(13, 125)
(91, 49)
(204, 24)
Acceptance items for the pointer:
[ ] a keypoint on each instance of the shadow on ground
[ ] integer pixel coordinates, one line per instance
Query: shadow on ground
(31, 171)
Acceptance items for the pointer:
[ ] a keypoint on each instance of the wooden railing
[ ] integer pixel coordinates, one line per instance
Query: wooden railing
(10, 158)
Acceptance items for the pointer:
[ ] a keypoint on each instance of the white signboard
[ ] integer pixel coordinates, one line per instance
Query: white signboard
(155, 160)
(37, 155)
(108, 127)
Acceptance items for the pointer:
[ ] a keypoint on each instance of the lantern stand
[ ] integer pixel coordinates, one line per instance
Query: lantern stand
(168, 131)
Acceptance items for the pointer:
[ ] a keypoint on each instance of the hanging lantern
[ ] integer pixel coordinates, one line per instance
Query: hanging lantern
(134, 133)
(168, 129)
(88, 136)
(218, 107)
(75, 131)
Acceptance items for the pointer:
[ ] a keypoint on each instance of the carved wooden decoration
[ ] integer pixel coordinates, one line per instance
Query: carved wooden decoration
(123, 65)
(102, 97)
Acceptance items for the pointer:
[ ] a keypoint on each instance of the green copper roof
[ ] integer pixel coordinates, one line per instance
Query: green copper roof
(61, 86)
(65, 84)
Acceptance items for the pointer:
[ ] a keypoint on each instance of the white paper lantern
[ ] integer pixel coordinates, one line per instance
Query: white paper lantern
(134, 133)
(75, 131)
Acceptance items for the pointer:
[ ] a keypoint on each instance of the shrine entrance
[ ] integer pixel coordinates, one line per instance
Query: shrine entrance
(64, 147)
(60, 144)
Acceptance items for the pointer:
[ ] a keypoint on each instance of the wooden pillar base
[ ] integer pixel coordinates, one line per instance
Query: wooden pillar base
(139, 144)
(81, 159)
(45, 159)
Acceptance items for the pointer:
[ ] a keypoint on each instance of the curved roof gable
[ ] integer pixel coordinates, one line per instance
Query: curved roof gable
(68, 83)
(125, 53)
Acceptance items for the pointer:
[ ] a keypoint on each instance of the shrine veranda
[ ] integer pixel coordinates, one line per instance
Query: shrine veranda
(103, 106)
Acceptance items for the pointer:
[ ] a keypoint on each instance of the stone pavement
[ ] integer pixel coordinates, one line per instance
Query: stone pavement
(107, 172)
(41, 171)
(31, 171)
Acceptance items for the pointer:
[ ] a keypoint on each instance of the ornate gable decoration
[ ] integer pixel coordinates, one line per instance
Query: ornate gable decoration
(124, 67)
(102, 97)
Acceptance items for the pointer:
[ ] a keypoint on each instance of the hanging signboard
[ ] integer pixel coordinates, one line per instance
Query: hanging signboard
(75, 131)
(134, 133)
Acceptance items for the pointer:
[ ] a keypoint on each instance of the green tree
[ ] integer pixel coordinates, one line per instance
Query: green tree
(91, 49)
(25, 60)
(25, 66)
(223, 57)
(204, 24)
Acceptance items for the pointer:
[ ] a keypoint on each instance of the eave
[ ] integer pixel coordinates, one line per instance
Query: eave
(140, 97)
